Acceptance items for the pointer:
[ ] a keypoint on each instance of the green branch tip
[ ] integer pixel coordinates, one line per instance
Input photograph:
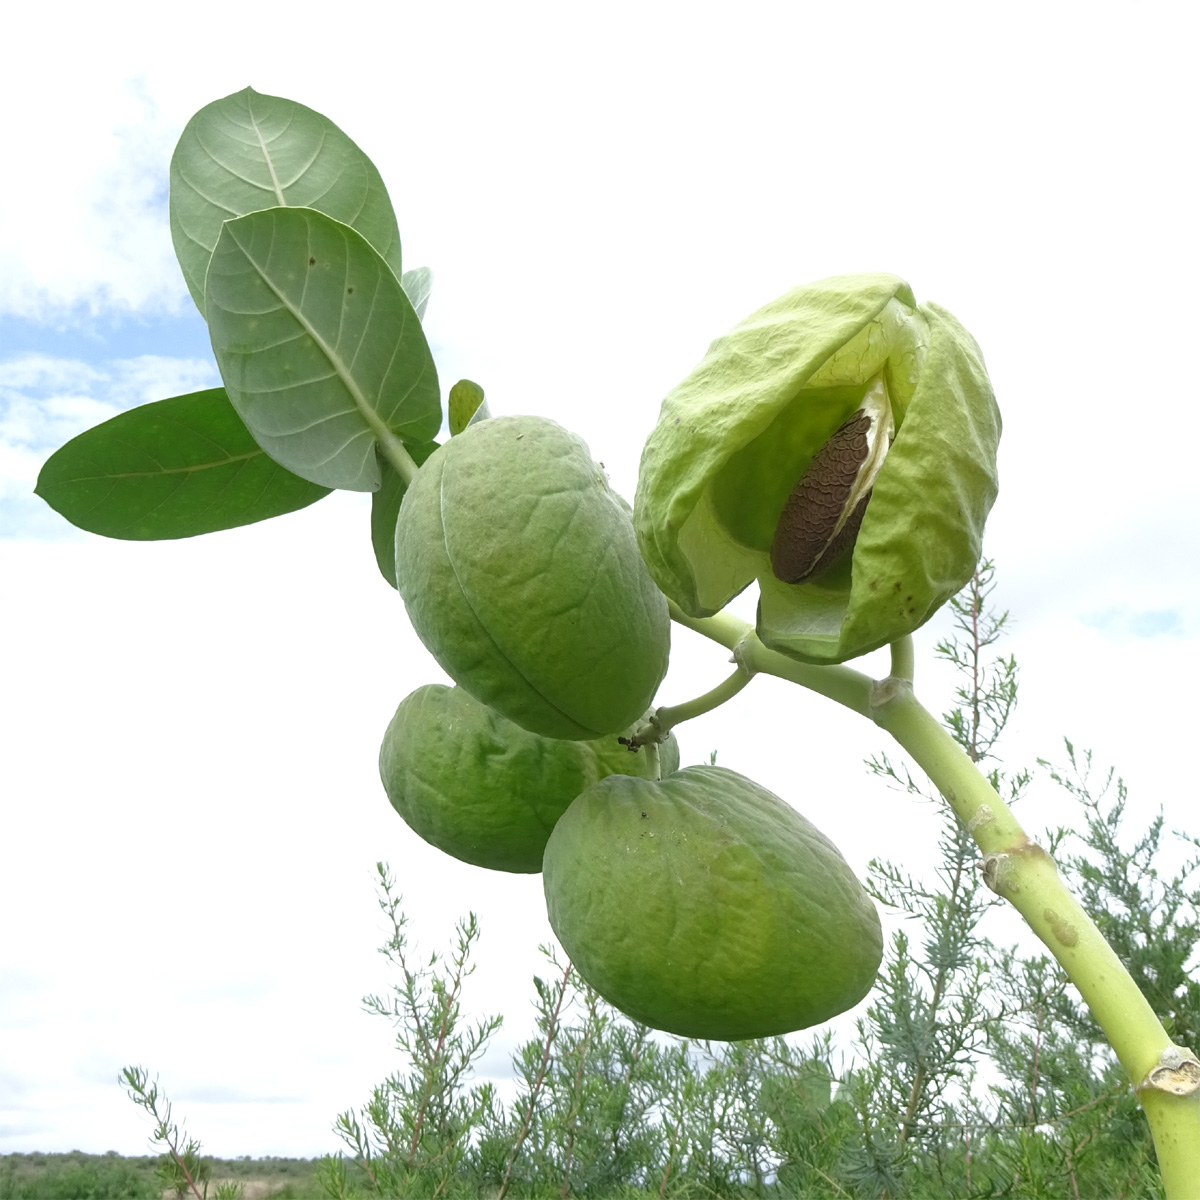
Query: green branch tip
(666, 718)
(847, 686)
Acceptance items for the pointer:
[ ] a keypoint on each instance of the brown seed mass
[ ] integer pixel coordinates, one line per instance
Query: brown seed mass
(807, 541)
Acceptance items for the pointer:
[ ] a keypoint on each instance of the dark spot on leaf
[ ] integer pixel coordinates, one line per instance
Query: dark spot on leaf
(349, 291)
(312, 262)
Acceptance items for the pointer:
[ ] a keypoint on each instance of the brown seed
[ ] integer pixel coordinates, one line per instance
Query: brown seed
(811, 534)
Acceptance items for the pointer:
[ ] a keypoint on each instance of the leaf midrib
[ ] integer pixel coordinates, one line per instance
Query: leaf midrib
(206, 466)
(376, 423)
(267, 158)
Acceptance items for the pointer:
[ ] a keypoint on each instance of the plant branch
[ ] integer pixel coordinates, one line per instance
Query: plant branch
(536, 1086)
(146, 1095)
(660, 723)
(843, 684)
(1018, 869)
(903, 659)
(392, 448)
(671, 715)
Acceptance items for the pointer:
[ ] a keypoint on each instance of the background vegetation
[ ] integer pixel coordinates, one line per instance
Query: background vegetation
(77, 1176)
(975, 1071)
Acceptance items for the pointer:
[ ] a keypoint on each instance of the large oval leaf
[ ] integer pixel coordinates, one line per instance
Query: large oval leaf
(247, 152)
(320, 349)
(171, 469)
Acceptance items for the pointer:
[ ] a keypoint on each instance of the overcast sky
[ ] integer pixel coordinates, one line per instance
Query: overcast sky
(189, 805)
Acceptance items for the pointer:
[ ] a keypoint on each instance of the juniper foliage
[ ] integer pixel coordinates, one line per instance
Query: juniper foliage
(976, 1070)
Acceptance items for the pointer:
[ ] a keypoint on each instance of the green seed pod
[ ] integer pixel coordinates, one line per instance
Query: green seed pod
(521, 574)
(485, 790)
(839, 446)
(704, 905)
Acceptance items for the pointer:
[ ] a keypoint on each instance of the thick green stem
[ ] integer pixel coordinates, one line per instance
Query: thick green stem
(653, 760)
(392, 448)
(843, 684)
(668, 717)
(655, 728)
(1015, 867)
(903, 658)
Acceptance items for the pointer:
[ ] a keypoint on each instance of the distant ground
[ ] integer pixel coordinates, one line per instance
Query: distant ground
(78, 1176)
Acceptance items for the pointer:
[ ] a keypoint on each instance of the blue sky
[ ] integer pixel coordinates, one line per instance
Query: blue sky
(181, 335)
(58, 381)
(189, 778)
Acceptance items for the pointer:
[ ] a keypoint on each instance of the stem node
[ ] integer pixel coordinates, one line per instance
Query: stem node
(996, 869)
(741, 653)
(1177, 1072)
(888, 691)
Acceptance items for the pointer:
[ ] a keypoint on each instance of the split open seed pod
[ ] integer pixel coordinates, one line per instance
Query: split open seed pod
(839, 446)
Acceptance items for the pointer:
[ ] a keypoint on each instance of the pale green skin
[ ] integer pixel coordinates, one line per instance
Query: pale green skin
(521, 574)
(705, 906)
(735, 436)
(485, 790)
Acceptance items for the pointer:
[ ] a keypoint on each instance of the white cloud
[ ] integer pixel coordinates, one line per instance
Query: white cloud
(1124, 622)
(46, 401)
(85, 230)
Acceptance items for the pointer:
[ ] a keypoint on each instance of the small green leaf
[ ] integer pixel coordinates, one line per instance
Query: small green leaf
(248, 152)
(417, 285)
(319, 347)
(467, 405)
(171, 469)
(385, 509)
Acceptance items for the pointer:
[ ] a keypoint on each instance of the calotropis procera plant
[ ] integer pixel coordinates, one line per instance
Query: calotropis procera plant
(838, 447)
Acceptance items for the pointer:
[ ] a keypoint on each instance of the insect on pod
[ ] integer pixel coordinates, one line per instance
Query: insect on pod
(822, 516)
